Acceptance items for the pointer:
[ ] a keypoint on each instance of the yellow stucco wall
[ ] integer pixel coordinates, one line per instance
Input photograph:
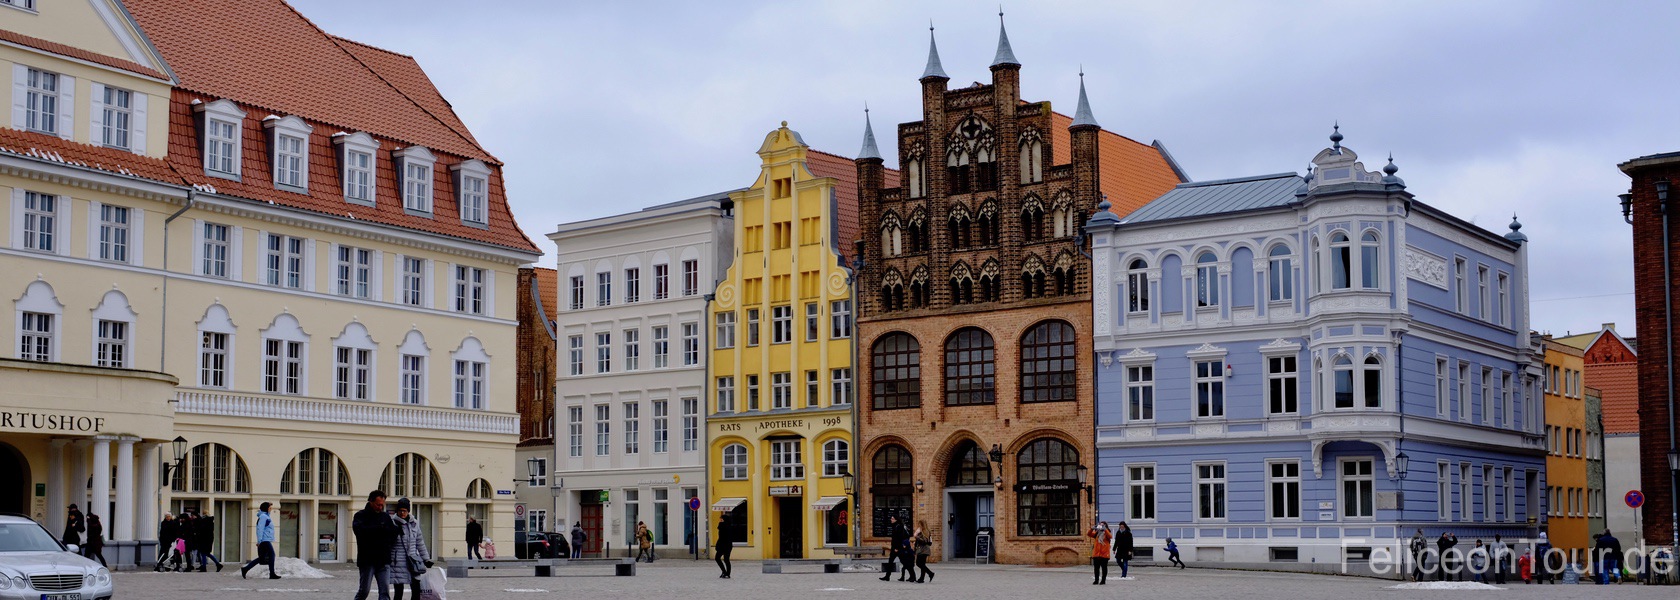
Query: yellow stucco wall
(96, 26)
(793, 270)
(86, 74)
(1566, 463)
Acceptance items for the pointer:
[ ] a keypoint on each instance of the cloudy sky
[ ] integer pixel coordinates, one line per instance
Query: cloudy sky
(1490, 107)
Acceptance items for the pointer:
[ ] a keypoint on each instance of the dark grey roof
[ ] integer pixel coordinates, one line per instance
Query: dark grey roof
(708, 198)
(869, 149)
(1202, 198)
(934, 69)
(1005, 54)
(1082, 114)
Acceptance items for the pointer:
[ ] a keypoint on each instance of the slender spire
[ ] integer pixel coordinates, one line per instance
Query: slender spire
(1516, 234)
(869, 150)
(934, 69)
(1005, 54)
(1082, 116)
(1336, 137)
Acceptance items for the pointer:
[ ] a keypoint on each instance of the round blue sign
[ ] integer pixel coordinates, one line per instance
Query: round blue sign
(694, 504)
(1634, 499)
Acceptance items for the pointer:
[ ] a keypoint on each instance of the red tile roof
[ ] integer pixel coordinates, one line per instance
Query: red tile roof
(1132, 173)
(1618, 385)
(402, 71)
(56, 149)
(14, 37)
(823, 164)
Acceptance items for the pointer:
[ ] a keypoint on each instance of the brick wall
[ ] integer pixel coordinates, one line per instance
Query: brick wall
(536, 355)
(1654, 415)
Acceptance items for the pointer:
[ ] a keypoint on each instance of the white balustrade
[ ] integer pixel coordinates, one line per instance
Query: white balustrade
(344, 411)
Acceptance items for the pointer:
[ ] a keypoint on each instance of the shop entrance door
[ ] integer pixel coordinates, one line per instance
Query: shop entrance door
(970, 511)
(790, 527)
(591, 519)
(288, 530)
(14, 488)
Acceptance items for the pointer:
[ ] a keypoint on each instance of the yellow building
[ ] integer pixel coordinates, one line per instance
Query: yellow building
(1569, 504)
(779, 429)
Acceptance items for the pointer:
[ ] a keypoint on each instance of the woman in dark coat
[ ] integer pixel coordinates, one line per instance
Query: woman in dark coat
(95, 547)
(1123, 548)
(73, 527)
(725, 546)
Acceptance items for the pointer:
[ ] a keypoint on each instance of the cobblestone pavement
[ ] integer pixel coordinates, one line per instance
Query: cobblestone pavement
(690, 580)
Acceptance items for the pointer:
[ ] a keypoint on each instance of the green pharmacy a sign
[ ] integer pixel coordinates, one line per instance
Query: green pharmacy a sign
(605, 496)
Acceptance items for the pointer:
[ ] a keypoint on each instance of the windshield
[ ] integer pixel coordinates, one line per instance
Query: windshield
(26, 537)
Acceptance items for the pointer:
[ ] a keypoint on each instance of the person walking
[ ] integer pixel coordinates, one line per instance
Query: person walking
(187, 524)
(1608, 554)
(1101, 542)
(74, 525)
(924, 547)
(1123, 547)
(1500, 556)
(1172, 554)
(375, 533)
(265, 543)
(578, 539)
(206, 525)
(1543, 571)
(95, 547)
(165, 540)
(900, 537)
(409, 556)
(725, 546)
(644, 542)
(1418, 546)
(178, 559)
(1478, 562)
(1449, 555)
(475, 536)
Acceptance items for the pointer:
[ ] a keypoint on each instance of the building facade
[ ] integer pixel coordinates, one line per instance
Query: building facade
(1612, 368)
(632, 365)
(974, 318)
(1570, 501)
(1597, 510)
(1302, 370)
(326, 277)
(779, 427)
(1646, 207)
(533, 493)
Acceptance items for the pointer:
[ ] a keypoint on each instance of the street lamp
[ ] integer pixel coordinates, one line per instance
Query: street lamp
(1400, 462)
(849, 479)
(1673, 460)
(1084, 473)
(179, 447)
(530, 472)
(996, 455)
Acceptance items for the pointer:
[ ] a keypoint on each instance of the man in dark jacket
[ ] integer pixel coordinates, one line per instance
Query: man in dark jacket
(375, 534)
(900, 543)
(725, 546)
(1608, 554)
(475, 536)
(206, 538)
(1448, 557)
(166, 540)
(1123, 547)
(1544, 572)
(73, 527)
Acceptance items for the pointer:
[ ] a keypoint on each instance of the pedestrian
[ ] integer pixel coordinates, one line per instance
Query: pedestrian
(900, 537)
(644, 542)
(95, 547)
(1446, 546)
(1500, 556)
(578, 539)
(1543, 571)
(1123, 547)
(1172, 554)
(1478, 562)
(1525, 566)
(409, 556)
(166, 540)
(1101, 540)
(1418, 546)
(74, 525)
(206, 541)
(265, 543)
(725, 546)
(924, 547)
(1608, 553)
(475, 536)
(375, 533)
(178, 559)
(187, 524)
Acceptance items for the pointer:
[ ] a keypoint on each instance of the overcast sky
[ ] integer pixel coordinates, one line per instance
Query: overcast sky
(1489, 107)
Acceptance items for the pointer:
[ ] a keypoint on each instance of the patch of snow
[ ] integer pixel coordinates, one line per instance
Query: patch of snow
(526, 591)
(1444, 585)
(286, 568)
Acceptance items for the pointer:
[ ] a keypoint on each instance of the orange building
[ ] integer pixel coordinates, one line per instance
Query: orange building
(1612, 366)
(1566, 440)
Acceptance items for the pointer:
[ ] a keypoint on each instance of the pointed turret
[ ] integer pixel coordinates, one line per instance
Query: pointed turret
(1005, 54)
(1082, 115)
(934, 69)
(1516, 234)
(869, 149)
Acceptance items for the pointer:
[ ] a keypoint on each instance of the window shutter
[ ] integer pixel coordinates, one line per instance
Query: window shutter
(236, 253)
(17, 218)
(65, 214)
(489, 292)
(137, 236)
(377, 277)
(428, 283)
(93, 230)
(397, 293)
(66, 107)
(20, 95)
(198, 247)
(262, 256)
(96, 113)
(309, 265)
(137, 123)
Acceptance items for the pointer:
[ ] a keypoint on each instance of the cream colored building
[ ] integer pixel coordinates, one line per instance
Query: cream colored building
(313, 285)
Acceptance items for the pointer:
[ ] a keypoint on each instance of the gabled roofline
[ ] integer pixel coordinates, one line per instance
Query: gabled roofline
(1613, 335)
(1171, 162)
(150, 47)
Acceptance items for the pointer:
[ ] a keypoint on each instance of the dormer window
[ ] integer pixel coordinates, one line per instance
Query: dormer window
(356, 163)
(288, 140)
(415, 164)
(220, 124)
(472, 191)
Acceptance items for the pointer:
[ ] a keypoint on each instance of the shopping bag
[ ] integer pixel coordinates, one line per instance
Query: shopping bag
(489, 549)
(433, 584)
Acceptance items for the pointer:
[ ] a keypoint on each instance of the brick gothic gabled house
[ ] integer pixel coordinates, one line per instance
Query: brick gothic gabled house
(975, 311)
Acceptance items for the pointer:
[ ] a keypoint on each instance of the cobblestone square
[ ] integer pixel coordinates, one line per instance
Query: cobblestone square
(692, 580)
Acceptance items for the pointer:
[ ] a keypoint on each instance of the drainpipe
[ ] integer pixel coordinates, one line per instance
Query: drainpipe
(192, 197)
(1668, 351)
(854, 276)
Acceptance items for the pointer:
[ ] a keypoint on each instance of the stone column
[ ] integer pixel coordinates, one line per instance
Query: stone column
(78, 457)
(147, 493)
(55, 483)
(100, 500)
(122, 523)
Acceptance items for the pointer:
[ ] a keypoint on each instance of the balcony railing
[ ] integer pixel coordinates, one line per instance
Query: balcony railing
(351, 412)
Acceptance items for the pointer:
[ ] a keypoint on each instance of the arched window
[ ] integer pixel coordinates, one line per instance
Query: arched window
(1032, 222)
(969, 466)
(1342, 373)
(892, 237)
(1032, 278)
(1280, 283)
(957, 171)
(961, 236)
(1373, 377)
(985, 158)
(836, 455)
(1054, 462)
(212, 469)
(890, 488)
(316, 472)
(970, 367)
(480, 489)
(991, 287)
(1370, 261)
(1137, 286)
(734, 462)
(1341, 262)
(1049, 372)
(918, 231)
(913, 178)
(1066, 275)
(896, 360)
(1317, 270)
(988, 226)
(1207, 280)
(410, 475)
(1032, 158)
(892, 292)
(962, 290)
(920, 295)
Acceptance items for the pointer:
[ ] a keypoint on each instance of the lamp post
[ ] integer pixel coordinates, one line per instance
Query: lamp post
(853, 276)
(850, 482)
(179, 447)
(1401, 461)
(1084, 474)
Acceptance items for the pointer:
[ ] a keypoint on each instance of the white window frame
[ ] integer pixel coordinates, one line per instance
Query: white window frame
(1506, 505)
(1464, 403)
(223, 132)
(1349, 507)
(1218, 479)
(603, 288)
(1465, 491)
(415, 166)
(835, 458)
(1287, 479)
(285, 366)
(726, 394)
(812, 319)
(1137, 288)
(1443, 491)
(632, 349)
(1443, 389)
(1213, 382)
(840, 380)
(781, 324)
(1283, 370)
(1140, 388)
(603, 429)
(289, 152)
(813, 388)
(358, 155)
(574, 431)
(217, 253)
(661, 346)
(786, 462)
(214, 350)
(632, 414)
(725, 330)
(752, 327)
(284, 261)
(691, 344)
(472, 287)
(114, 112)
(690, 424)
(1504, 308)
(42, 221)
(840, 319)
(603, 352)
(575, 285)
(352, 373)
(1487, 494)
(1461, 285)
(574, 354)
(1280, 275)
(661, 426)
(355, 271)
(36, 89)
(691, 277)
(472, 375)
(1484, 296)
(735, 463)
(781, 390)
(38, 335)
(1138, 485)
(411, 379)
(115, 235)
(413, 271)
(1207, 292)
(661, 281)
(472, 191)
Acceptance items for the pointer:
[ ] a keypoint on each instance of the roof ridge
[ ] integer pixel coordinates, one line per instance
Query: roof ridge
(1247, 179)
(369, 46)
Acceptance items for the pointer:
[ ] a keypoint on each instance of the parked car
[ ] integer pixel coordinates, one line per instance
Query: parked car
(35, 566)
(548, 544)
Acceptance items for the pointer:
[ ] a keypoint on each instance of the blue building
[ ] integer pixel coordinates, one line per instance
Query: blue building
(1306, 369)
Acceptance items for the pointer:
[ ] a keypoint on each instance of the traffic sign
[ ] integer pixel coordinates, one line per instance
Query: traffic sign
(519, 510)
(694, 504)
(1634, 499)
